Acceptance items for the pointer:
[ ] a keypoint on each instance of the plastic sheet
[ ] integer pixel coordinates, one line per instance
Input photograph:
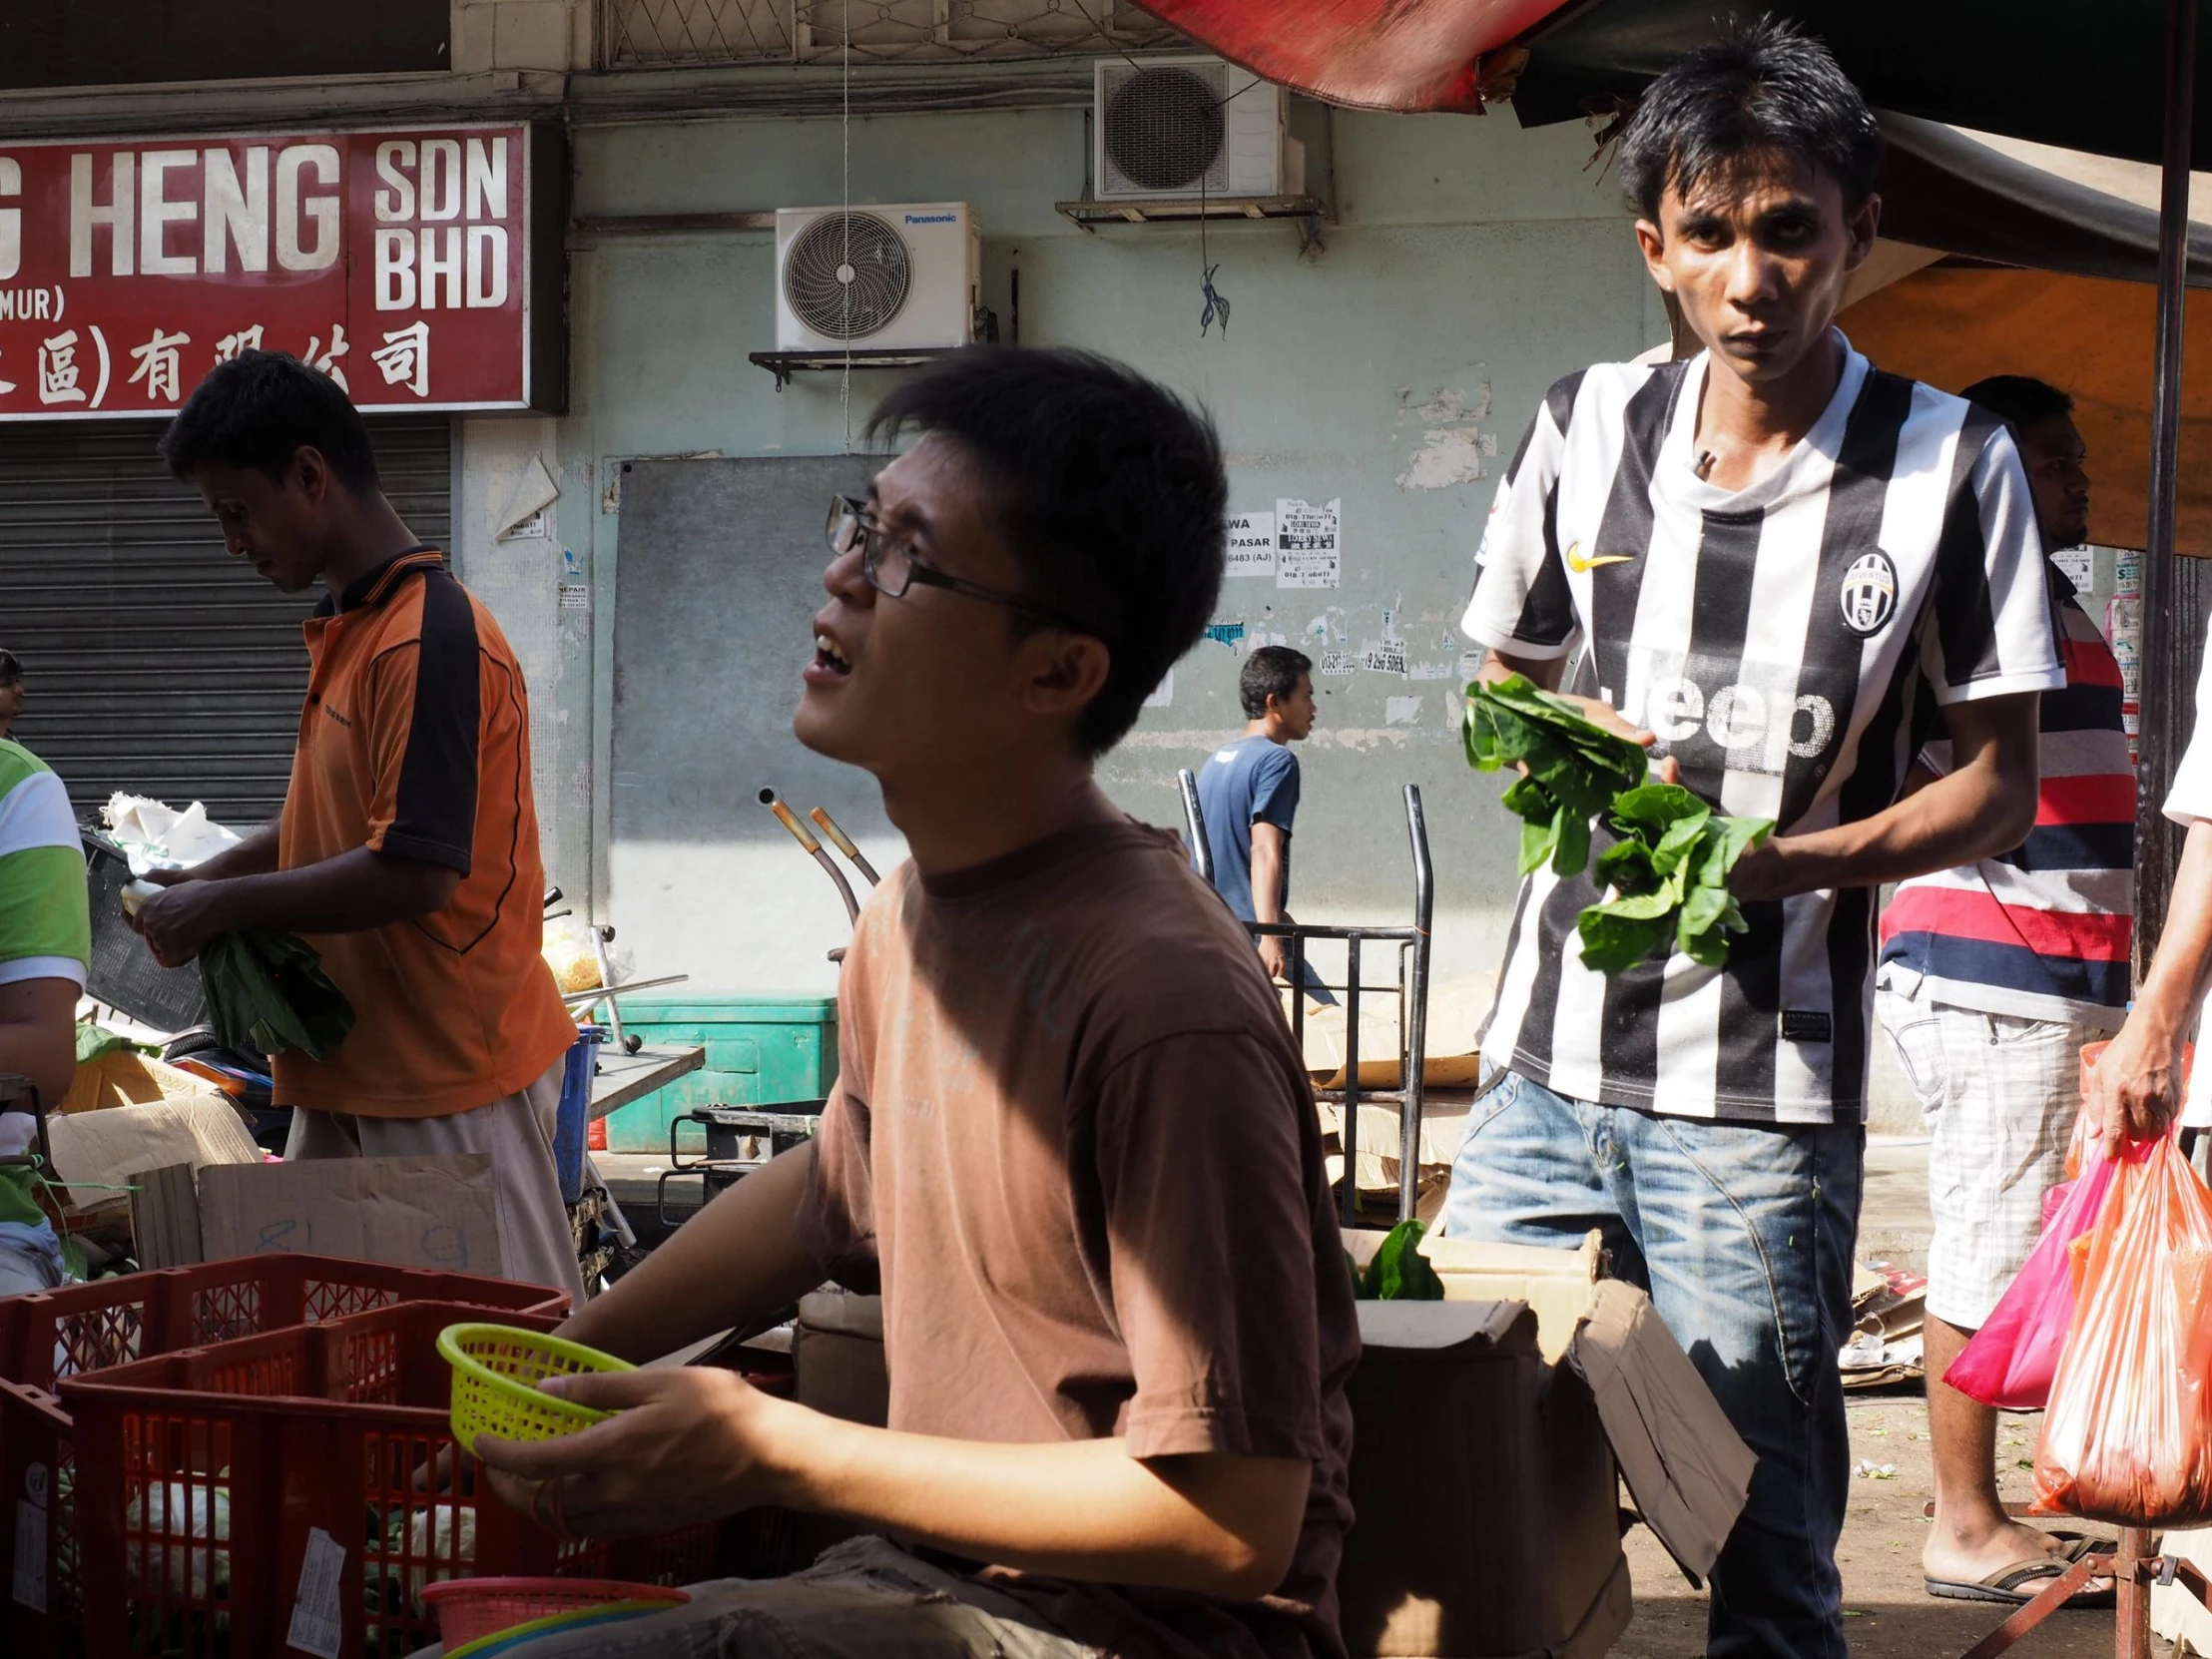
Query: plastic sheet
(2128, 1437)
(2011, 1360)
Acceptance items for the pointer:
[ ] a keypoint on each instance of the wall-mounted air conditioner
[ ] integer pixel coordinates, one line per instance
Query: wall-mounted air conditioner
(878, 279)
(1190, 126)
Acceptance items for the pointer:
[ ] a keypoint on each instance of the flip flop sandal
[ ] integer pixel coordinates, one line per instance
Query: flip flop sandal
(2079, 1545)
(2023, 1581)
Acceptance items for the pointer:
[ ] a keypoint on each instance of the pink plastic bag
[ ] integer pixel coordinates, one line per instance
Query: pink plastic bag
(2011, 1361)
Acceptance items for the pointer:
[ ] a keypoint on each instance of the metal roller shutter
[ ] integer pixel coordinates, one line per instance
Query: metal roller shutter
(151, 662)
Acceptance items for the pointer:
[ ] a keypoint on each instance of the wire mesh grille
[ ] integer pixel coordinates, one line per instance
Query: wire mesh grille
(1163, 127)
(847, 276)
(639, 34)
(670, 34)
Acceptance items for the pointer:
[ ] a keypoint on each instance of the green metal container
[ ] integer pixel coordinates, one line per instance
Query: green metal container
(760, 1050)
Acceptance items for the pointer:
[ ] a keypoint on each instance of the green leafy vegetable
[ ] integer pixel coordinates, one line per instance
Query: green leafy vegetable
(1574, 767)
(1669, 872)
(1399, 1271)
(94, 1041)
(270, 988)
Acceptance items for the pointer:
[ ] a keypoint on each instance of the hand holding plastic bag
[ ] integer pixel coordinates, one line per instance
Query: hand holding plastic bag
(2128, 1437)
(2010, 1361)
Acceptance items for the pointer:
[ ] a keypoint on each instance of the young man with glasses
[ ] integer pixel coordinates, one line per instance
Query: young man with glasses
(1070, 1142)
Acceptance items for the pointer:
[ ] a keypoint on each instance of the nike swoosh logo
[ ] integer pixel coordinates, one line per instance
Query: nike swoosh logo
(1581, 566)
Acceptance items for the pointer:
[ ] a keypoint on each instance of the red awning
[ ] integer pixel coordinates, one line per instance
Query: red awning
(1368, 54)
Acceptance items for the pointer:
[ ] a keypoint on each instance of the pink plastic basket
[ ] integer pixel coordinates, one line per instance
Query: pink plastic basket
(468, 1608)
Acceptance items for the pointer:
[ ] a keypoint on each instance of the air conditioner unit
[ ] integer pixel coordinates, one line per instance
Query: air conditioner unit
(878, 279)
(1188, 127)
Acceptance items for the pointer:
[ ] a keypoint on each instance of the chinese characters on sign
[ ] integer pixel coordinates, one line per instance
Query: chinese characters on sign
(128, 270)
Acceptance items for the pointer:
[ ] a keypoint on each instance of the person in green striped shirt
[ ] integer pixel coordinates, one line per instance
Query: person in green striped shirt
(45, 946)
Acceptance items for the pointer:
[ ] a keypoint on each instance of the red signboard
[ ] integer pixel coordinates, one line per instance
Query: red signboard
(398, 262)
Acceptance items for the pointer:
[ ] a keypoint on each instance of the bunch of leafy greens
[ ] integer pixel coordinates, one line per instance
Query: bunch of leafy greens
(1397, 1271)
(1574, 769)
(270, 989)
(1669, 872)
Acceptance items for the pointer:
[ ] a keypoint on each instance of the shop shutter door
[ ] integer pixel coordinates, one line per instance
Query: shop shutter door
(152, 663)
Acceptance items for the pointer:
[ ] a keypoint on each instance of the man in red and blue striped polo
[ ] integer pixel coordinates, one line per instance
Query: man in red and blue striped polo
(1992, 977)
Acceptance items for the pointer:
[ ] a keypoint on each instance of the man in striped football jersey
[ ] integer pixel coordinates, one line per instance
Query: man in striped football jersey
(1992, 977)
(1765, 561)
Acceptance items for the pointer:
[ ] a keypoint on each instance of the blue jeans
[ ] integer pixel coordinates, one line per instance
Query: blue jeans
(1743, 1234)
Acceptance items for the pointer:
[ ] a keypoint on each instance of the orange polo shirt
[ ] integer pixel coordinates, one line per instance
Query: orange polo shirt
(414, 741)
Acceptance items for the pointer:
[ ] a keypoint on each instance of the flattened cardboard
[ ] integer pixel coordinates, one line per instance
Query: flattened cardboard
(407, 1212)
(107, 1147)
(165, 1217)
(1686, 1468)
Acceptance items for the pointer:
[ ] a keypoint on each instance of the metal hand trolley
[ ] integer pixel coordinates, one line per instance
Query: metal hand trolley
(1411, 991)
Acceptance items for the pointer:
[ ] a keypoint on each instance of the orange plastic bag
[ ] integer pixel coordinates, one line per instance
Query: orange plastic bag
(2129, 1436)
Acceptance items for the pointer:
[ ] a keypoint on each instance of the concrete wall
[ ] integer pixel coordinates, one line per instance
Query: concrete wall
(1473, 263)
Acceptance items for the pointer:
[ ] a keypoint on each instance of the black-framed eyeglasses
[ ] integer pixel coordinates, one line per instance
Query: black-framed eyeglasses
(891, 568)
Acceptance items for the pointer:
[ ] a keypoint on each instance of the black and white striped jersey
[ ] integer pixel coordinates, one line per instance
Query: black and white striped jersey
(1781, 641)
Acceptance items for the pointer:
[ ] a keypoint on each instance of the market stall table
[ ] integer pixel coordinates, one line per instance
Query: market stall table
(624, 1078)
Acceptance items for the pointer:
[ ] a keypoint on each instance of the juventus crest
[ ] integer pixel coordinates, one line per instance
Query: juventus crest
(1869, 594)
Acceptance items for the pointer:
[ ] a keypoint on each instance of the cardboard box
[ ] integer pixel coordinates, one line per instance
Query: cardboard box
(1488, 1430)
(125, 1077)
(838, 1355)
(441, 1212)
(96, 1151)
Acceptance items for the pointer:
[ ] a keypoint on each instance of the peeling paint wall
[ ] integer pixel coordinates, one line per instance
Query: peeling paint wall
(1389, 372)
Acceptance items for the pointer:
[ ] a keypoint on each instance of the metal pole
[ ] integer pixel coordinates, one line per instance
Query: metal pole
(2161, 733)
(1194, 821)
(1350, 1135)
(2132, 1599)
(1416, 1009)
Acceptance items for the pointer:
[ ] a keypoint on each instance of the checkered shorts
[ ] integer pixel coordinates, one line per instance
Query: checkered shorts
(1999, 1094)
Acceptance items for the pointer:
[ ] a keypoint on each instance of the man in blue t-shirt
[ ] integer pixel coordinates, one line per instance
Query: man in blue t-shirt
(1248, 791)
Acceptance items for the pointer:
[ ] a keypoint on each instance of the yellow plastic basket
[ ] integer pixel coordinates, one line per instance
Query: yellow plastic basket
(497, 1372)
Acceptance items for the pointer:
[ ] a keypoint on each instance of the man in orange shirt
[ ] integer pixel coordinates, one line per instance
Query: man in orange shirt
(407, 849)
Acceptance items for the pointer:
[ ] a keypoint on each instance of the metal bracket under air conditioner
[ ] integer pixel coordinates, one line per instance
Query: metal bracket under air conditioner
(1309, 211)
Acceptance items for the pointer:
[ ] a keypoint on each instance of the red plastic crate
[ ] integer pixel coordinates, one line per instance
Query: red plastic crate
(82, 1329)
(218, 1487)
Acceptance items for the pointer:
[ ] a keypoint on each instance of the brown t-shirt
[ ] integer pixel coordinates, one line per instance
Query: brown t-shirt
(1073, 1145)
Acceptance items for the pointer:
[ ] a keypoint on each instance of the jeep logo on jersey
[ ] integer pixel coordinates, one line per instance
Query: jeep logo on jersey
(1869, 593)
(1754, 712)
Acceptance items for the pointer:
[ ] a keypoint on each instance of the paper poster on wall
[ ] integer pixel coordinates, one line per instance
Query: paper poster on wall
(1308, 543)
(1337, 663)
(1163, 694)
(1250, 544)
(1401, 711)
(1385, 657)
(2079, 565)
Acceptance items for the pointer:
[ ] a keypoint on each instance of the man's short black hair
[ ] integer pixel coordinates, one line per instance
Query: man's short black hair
(1767, 89)
(258, 410)
(1271, 671)
(11, 671)
(2019, 400)
(1108, 488)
